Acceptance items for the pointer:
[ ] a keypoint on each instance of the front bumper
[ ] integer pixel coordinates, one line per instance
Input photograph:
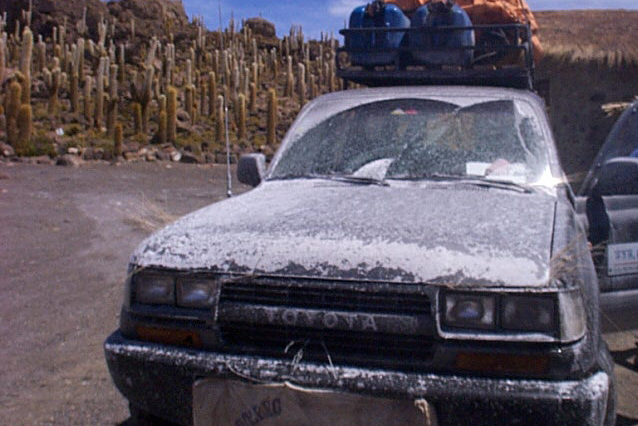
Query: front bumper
(159, 379)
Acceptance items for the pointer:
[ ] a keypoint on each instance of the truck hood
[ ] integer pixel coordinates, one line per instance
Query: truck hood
(439, 233)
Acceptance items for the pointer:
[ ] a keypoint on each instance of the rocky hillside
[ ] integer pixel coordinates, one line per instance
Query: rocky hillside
(135, 79)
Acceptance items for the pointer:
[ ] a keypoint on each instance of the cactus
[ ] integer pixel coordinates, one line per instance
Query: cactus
(219, 124)
(118, 140)
(137, 117)
(142, 92)
(3, 58)
(12, 107)
(171, 113)
(99, 93)
(25, 129)
(81, 25)
(241, 117)
(212, 94)
(301, 84)
(290, 79)
(25, 64)
(88, 110)
(121, 69)
(112, 107)
(54, 80)
(188, 100)
(253, 98)
(271, 124)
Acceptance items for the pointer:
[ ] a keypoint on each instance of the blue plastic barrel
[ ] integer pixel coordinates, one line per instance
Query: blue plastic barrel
(422, 43)
(391, 17)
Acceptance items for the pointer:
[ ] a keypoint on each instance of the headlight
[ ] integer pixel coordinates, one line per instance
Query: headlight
(466, 310)
(196, 293)
(506, 316)
(529, 313)
(154, 289)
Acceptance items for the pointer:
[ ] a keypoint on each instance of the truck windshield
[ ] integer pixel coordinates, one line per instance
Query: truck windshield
(415, 139)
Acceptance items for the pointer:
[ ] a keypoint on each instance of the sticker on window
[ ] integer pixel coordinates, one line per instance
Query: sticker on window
(622, 259)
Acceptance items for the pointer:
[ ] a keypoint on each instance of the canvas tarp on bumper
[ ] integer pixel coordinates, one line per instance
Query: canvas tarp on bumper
(219, 402)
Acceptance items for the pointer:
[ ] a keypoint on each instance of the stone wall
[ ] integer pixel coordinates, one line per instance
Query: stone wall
(574, 93)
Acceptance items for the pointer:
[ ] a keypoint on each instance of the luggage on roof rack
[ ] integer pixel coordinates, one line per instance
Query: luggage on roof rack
(441, 46)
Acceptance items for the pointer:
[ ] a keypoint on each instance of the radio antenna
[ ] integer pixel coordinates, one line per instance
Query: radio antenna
(229, 179)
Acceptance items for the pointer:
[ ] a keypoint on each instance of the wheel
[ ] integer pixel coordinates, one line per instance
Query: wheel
(140, 417)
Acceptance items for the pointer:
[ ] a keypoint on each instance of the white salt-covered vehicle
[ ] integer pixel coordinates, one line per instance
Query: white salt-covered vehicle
(411, 255)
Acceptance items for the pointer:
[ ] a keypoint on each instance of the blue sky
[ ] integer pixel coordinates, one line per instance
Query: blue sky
(329, 15)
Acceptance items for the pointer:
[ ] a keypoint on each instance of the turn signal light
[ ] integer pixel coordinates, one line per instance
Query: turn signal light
(502, 363)
(169, 336)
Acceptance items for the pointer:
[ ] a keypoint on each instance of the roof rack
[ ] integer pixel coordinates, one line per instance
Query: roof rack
(502, 56)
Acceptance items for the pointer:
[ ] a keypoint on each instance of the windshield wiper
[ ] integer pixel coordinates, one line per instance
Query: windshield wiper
(475, 180)
(362, 180)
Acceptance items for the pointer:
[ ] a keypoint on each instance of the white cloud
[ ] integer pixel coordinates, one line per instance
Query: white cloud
(342, 8)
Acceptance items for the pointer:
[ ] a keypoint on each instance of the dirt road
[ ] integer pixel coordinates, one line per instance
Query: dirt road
(65, 238)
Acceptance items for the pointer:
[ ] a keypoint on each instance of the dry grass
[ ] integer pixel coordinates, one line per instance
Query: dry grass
(148, 216)
(606, 37)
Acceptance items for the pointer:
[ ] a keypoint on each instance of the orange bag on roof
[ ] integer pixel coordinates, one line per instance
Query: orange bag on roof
(486, 12)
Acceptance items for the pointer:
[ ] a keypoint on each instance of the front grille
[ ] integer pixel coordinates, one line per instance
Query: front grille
(327, 322)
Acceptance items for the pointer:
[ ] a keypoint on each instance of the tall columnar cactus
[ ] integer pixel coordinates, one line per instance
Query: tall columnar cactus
(99, 93)
(54, 80)
(121, 68)
(202, 91)
(25, 64)
(3, 58)
(271, 124)
(290, 79)
(253, 98)
(118, 140)
(241, 117)
(75, 78)
(171, 114)
(188, 101)
(88, 106)
(142, 92)
(137, 117)
(114, 100)
(301, 84)
(219, 124)
(162, 121)
(212, 94)
(80, 57)
(25, 129)
(12, 108)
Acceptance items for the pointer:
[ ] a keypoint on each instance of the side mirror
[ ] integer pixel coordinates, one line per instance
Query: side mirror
(618, 176)
(251, 169)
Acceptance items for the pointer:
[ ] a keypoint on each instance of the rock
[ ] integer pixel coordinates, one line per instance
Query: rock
(6, 150)
(183, 121)
(131, 156)
(151, 156)
(42, 159)
(163, 155)
(190, 158)
(72, 150)
(209, 158)
(131, 147)
(261, 27)
(92, 154)
(176, 156)
(69, 160)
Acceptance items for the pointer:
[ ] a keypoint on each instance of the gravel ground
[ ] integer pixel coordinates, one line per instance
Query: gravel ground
(65, 237)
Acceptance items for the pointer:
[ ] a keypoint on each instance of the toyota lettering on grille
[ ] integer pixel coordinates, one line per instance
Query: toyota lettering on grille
(322, 319)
